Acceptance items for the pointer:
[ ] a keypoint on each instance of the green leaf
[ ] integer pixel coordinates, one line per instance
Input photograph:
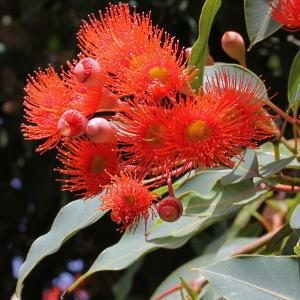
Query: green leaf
(259, 22)
(187, 271)
(122, 288)
(255, 277)
(246, 168)
(134, 245)
(294, 81)
(201, 183)
(200, 48)
(69, 220)
(275, 166)
(202, 211)
(265, 155)
(295, 219)
(130, 248)
(191, 292)
(297, 248)
(222, 198)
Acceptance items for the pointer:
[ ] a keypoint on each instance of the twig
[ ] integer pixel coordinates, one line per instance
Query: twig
(256, 244)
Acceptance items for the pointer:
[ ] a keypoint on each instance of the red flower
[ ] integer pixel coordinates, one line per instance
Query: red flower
(205, 132)
(141, 57)
(88, 166)
(286, 12)
(48, 97)
(142, 133)
(156, 72)
(249, 97)
(211, 129)
(128, 200)
(115, 37)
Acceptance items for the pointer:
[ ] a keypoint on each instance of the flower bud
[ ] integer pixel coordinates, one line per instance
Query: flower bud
(233, 44)
(108, 101)
(100, 130)
(89, 72)
(170, 209)
(72, 123)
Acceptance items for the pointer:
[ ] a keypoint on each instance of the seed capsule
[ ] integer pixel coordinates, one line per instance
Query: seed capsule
(170, 209)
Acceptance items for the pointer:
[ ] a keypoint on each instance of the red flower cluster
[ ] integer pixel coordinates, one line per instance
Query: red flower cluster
(157, 125)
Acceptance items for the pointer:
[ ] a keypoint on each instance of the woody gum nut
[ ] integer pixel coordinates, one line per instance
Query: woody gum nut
(170, 209)
(233, 44)
(99, 130)
(89, 72)
(72, 123)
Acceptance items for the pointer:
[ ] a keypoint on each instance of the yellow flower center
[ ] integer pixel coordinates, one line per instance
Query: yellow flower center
(152, 135)
(130, 199)
(197, 131)
(157, 73)
(97, 164)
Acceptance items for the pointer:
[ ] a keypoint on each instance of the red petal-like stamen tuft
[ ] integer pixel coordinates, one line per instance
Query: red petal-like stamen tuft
(142, 133)
(286, 12)
(88, 166)
(129, 200)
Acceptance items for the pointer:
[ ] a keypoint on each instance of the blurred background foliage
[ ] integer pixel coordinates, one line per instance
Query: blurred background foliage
(35, 33)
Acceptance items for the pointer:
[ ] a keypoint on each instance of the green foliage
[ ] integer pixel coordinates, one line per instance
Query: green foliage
(259, 22)
(69, 220)
(294, 81)
(255, 277)
(200, 48)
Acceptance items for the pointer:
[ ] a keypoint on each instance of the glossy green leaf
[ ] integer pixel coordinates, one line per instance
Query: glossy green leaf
(259, 22)
(200, 48)
(255, 277)
(294, 81)
(247, 167)
(186, 271)
(265, 155)
(69, 220)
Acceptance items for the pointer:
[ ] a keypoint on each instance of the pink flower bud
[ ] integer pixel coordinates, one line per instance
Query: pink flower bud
(90, 73)
(108, 101)
(233, 44)
(100, 130)
(72, 123)
(170, 209)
